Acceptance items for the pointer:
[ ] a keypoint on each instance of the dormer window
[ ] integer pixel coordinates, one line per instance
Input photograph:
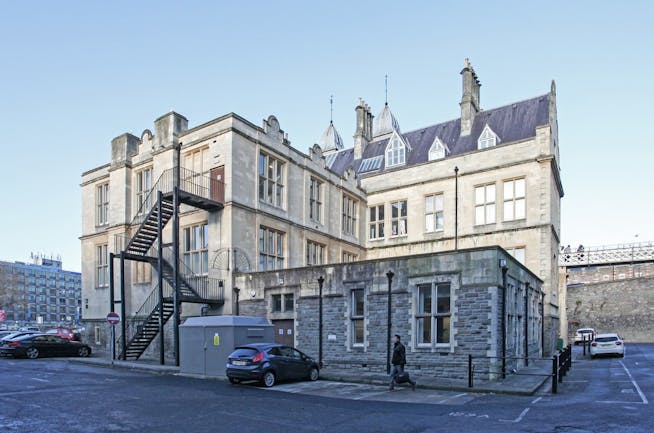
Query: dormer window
(437, 150)
(487, 138)
(395, 151)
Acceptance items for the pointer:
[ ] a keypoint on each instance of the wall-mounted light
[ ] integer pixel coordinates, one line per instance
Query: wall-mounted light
(502, 263)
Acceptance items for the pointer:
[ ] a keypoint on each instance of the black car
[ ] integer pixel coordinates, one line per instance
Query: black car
(269, 363)
(35, 345)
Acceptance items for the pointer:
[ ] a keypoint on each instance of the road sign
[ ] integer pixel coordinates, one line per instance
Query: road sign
(113, 318)
(3, 315)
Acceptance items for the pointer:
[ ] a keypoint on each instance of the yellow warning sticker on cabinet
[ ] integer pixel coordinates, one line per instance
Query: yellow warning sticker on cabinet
(216, 339)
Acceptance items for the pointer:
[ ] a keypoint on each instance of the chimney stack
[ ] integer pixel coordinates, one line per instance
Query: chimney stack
(363, 133)
(470, 98)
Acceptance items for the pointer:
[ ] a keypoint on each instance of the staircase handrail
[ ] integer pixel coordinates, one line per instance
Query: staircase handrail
(204, 286)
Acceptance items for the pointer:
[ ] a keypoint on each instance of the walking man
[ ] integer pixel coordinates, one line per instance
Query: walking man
(398, 362)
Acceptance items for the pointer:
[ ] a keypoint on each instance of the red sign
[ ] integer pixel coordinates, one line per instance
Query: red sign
(113, 318)
(3, 315)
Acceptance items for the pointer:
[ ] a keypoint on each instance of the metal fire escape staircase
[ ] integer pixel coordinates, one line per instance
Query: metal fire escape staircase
(156, 210)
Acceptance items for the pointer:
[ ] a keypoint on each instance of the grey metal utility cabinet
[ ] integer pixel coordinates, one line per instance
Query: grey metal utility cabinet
(206, 342)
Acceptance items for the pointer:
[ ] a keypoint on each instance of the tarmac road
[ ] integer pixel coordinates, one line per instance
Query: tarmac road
(53, 395)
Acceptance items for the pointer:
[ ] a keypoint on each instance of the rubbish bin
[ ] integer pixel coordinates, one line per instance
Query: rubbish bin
(206, 342)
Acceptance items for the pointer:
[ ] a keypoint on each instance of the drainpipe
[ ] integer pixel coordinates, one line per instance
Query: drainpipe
(542, 322)
(112, 303)
(389, 275)
(162, 355)
(504, 271)
(456, 208)
(321, 281)
(527, 324)
(123, 319)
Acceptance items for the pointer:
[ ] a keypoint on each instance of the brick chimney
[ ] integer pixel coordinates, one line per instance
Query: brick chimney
(470, 98)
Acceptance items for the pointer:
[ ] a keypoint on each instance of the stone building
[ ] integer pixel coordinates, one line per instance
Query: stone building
(39, 292)
(255, 203)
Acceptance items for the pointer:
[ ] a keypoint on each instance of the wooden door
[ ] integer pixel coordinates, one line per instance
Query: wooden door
(284, 332)
(218, 184)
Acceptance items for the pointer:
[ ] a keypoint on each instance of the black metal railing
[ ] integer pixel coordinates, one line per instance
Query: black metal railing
(202, 285)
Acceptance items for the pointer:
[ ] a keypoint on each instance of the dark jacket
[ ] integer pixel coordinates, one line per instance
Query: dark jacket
(399, 354)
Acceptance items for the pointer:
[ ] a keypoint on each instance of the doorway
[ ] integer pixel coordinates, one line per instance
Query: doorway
(284, 332)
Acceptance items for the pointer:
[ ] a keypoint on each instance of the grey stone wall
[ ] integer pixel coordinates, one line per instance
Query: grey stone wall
(622, 306)
(475, 281)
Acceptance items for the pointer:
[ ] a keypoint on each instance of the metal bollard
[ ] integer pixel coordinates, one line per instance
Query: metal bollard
(555, 379)
(470, 373)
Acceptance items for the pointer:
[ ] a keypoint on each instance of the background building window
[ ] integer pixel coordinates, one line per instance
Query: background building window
(376, 222)
(315, 200)
(283, 303)
(356, 317)
(487, 138)
(395, 152)
(433, 314)
(143, 272)
(514, 199)
(315, 253)
(485, 204)
(349, 216)
(271, 180)
(102, 266)
(434, 213)
(349, 257)
(271, 249)
(196, 249)
(143, 187)
(518, 253)
(399, 218)
(102, 205)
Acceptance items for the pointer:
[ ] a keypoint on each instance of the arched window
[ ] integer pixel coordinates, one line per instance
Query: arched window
(395, 152)
(487, 138)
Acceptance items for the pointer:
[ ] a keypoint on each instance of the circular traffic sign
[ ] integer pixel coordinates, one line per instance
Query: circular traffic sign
(113, 318)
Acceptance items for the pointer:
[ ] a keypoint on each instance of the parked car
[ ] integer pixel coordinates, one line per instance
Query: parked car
(269, 363)
(30, 329)
(16, 334)
(3, 334)
(584, 334)
(65, 332)
(36, 345)
(607, 344)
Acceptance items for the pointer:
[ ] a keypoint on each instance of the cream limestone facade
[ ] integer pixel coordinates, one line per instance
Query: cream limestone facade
(287, 209)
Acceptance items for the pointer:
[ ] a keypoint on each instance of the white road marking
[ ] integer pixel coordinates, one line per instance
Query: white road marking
(537, 400)
(640, 392)
(619, 402)
(519, 418)
(39, 379)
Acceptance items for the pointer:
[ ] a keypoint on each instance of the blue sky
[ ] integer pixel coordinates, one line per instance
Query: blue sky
(75, 74)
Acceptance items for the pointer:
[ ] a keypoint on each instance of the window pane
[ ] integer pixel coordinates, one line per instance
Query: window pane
(280, 245)
(380, 230)
(479, 195)
(277, 303)
(429, 223)
(357, 302)
(380, 213)
(429, 204)
(490, 213)
(373, 231)
(424, 299)
(403, 208)
(490, 193)
(423, 331)
(519, 188)
(394, 210)
(439, 202)
(439, 221)
(508, 190)
(288, 302)
(357, 331)
(520, 208)
(373, 214)
(519, 254)
(508, 210)
(443, 305)
(479, 215)
(443, 329)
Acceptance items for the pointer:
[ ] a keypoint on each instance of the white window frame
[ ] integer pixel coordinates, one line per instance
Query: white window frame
(102, 204)
(486, 204)
(377, 223)
(349, 257)
(195, 248)
(487, 138)
(350, 207)
(143, 187)
(315, 253)
(434, 213)
(271, 180)
(357, 316)
(271, 249)
(102, 266)
(515, 199)
(315, 199)
(399, 222)
(519, 253)
(437, 150)
(434, 314)
(395, 152)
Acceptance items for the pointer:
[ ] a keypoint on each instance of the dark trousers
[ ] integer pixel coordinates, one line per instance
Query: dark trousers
(395, 371)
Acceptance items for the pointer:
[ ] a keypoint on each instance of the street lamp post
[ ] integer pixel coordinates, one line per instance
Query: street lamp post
(321, 281)
(505, 269)
(389, 275)
(236, 293)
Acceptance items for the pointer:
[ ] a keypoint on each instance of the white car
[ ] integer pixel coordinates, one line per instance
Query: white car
(607, 344)
(584, 334)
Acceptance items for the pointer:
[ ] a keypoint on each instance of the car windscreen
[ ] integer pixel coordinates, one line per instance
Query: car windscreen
(244, 352)
(605, 339)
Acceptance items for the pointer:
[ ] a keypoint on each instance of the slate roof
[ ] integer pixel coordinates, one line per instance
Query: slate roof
(513, 122)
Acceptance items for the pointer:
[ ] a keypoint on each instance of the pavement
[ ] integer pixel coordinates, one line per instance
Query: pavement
(526, 381)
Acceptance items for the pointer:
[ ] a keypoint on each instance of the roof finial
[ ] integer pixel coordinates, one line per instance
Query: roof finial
(386, 89)
(331, 109)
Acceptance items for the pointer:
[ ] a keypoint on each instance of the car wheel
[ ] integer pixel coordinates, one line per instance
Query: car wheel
(83, 352)
(313, 374)
(269, 379)
(233, 381)
(32, 353)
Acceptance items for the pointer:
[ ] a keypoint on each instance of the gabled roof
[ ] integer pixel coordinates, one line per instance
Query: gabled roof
(513, 122)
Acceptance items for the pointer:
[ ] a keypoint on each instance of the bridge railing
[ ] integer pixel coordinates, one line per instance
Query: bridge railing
(621, 253)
